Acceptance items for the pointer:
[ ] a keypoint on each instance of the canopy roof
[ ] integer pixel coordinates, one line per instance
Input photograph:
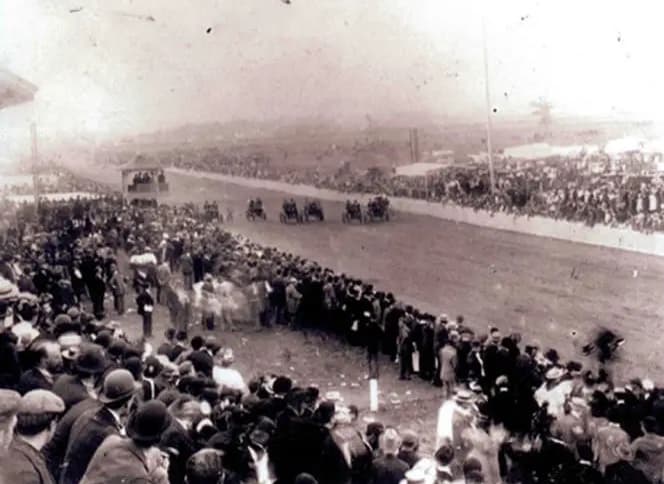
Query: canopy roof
(141, 163)
(538, 151)
(14, 90)
(624, 145)
(418, 169)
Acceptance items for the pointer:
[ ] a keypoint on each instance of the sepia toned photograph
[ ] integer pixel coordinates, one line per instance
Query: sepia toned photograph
(331, 242)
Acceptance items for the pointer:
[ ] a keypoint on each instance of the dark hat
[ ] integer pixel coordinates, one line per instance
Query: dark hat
(206, 465)
(410, 440)
(303, 477)
(282, 385)
(118, 385)
(134, 365)
(62, 320)
(472, 464)
(266, 424)
(117, 348)
(91, 360)
(259, 438)
(104, 338)
(148, 422)
(152, 366)
(169, 396)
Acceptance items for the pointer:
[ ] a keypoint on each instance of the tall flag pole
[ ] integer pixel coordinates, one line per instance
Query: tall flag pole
(492, 177)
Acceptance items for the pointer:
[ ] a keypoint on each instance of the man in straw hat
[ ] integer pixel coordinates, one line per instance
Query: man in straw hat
(225, 376)
(456, 415)
(92, 428)
(555, 391)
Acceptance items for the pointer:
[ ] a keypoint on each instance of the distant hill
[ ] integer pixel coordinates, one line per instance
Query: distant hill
(327, 144)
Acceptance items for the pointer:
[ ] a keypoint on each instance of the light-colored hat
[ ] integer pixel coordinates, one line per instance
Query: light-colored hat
(390, 441)
(9, 403)
(36, 402)
(25, 333)
(69, 340)
(554, 373)
(333, 396)
(463, 396)
(415, 476)
(227, 357)
(7, 290)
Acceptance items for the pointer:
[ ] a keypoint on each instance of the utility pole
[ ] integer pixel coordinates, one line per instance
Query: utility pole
(35, 163)
(492, 177)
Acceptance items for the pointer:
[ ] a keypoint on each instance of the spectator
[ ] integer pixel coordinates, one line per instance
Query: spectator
(206, 467)
(135, 457)
(408, 452)
(9, 404)
(648, 451)
(93, 427)
(389, 469)
(35, 423)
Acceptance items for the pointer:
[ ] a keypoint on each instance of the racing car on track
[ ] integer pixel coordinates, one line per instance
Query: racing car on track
(211, 210)
(378, 209)
(313, 210)
(255, 210)
(289, 212)
(352, 212)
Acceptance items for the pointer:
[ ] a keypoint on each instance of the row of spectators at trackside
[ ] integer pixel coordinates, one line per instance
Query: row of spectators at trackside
(52, 181)
(511, 413)
(620, 193)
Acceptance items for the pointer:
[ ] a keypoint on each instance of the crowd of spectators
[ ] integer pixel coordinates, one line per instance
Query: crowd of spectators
(50, 182)
(81, 401)
(619, 192)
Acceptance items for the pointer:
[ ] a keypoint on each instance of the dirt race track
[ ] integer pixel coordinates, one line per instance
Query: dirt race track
(543, 288)
(552, 292)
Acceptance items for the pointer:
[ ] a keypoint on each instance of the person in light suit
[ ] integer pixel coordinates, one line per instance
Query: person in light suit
(447, 364)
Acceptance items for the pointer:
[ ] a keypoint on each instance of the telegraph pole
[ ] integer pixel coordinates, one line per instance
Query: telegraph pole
(35, 163)
(488, 107)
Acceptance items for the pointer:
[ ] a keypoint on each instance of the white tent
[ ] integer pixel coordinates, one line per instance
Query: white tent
(529, 152)
(538, 151)
(574, 150)
(418, 169)
(654, 146)
(624, 145)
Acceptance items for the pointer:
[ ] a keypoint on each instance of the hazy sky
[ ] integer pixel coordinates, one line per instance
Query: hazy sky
(107, 70)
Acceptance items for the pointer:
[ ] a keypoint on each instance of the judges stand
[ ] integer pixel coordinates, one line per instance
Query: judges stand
(143, 183)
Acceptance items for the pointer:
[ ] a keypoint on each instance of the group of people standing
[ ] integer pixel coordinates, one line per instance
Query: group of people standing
(510, 413)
